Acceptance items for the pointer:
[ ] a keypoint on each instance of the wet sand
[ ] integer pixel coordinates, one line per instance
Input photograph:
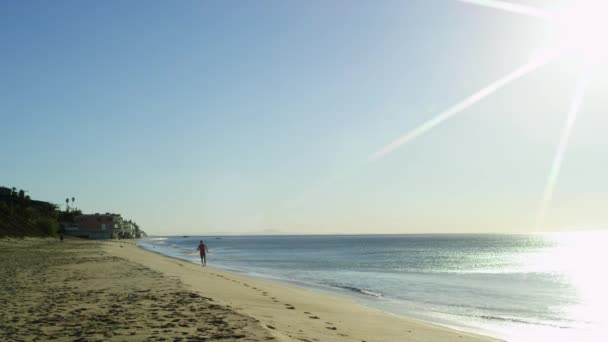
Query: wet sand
(115, 291)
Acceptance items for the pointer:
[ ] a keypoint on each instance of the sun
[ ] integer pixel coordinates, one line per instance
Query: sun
(580, 30)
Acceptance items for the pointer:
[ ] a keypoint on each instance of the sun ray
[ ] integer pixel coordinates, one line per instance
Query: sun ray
(510, 7)
(575, 107)
(466, 103)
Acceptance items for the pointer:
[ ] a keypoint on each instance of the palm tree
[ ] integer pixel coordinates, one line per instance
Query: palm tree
(67, 204)
(73, 199)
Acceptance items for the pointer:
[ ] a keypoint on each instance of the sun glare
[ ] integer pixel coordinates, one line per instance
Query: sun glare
(580, 29)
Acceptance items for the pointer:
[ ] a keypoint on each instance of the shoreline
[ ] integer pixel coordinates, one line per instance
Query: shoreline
(356, 297)
(270, 302)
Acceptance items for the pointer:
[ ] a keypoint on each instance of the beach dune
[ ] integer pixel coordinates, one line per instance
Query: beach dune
(113, 290)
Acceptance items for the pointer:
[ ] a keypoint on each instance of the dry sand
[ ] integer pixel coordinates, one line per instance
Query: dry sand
(115, 291)
(74, 291)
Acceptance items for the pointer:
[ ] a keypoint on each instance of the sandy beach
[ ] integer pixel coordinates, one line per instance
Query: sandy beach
(83, 290)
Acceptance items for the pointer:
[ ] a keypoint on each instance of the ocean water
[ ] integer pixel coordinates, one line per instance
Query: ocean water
(518, 287)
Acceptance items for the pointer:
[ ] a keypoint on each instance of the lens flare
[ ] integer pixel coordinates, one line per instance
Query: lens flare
(510, 7)
(575, 107)
(461, 106)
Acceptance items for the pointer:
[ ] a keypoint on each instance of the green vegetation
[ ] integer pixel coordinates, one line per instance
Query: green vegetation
(47, 225)
(22, 216)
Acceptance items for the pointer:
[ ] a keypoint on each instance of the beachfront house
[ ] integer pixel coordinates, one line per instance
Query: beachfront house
(101, 226)
(128, 229)
(94, 226)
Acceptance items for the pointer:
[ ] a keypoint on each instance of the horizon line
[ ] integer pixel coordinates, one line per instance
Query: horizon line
(588, 230)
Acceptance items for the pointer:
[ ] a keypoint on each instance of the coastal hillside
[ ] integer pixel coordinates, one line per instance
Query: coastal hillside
(22, 216)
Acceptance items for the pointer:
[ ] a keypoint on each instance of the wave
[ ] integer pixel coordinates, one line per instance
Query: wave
(358, 290)
(522, 321)
(156, 238)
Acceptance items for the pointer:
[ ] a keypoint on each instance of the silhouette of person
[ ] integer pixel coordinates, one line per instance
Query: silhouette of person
(202, 248)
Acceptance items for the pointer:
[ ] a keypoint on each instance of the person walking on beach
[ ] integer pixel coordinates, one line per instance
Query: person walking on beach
(202, 248)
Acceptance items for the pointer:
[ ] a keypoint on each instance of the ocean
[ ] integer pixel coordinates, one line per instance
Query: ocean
(520, 288)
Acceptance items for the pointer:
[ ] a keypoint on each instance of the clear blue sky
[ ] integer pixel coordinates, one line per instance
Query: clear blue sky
(248, 117)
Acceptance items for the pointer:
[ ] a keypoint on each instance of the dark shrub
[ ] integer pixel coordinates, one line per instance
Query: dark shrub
(47, 226)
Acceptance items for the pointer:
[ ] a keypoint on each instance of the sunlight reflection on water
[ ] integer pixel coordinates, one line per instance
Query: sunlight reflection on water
(580, 259)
